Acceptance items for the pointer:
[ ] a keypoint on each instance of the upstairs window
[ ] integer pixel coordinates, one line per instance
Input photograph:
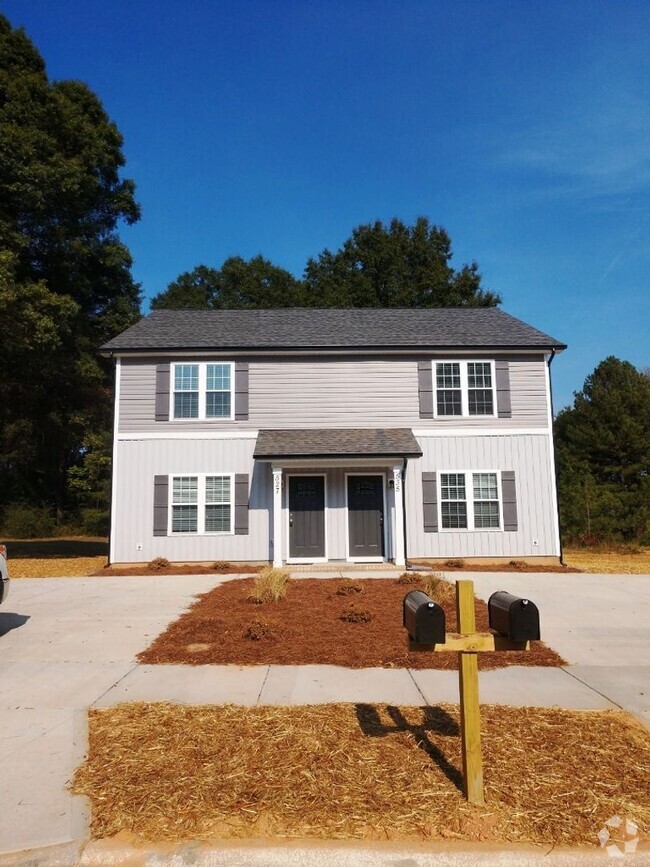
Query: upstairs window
(464, 388)
(480, 400)
(202, 390)
(449, 395)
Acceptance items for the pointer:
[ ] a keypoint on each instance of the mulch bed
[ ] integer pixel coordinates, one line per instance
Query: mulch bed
(512, 566)
(178, 569)
(225, 626)
(166, 772)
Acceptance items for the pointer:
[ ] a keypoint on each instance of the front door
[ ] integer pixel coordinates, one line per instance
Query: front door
(306, 517)
(366, 516)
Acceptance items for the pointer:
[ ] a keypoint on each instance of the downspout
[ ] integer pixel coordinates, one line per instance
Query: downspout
(406, 556)
(557, 496)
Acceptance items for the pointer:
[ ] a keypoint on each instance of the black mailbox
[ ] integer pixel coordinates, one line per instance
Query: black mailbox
(517, 618)
(424, 619)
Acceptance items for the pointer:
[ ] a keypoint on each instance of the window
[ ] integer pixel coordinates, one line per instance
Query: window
(486, 500)
(185, 507)
(448, 390)
(202, 391)
(217, 504)
(480, 501)
(453, 501)
(186, 391)
(479, 388)
(464, 388)
(202, 504)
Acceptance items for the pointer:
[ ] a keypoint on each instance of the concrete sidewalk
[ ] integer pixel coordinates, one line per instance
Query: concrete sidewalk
(69, 644)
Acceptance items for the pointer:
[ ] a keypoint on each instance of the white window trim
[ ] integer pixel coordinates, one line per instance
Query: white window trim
(469, 499)
(464, 386)
(203, 381)
(201, 504)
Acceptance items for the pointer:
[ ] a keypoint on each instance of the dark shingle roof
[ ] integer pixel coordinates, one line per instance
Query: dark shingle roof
(312, 328)
(345, 442)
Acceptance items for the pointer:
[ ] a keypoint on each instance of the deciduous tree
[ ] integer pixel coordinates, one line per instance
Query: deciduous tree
(395, 266)
(66, 281)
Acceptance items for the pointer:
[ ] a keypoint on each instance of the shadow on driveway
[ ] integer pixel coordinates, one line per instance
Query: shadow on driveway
(21, 549)
(9, 621)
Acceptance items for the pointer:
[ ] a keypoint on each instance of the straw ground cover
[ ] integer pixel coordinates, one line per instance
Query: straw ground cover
(319, 621)
(633, 561)
(173, 773)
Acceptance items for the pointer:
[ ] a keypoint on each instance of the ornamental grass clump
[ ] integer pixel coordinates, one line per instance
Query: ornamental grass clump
(439, 589)
(408, 578)
(270, 585)
(159, 563)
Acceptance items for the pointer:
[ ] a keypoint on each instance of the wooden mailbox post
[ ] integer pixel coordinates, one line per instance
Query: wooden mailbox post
(467, 642)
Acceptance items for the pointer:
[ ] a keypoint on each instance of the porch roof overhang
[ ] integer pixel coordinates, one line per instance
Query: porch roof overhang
(336, 444)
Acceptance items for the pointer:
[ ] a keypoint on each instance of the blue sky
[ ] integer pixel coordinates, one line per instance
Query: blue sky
(276, 126)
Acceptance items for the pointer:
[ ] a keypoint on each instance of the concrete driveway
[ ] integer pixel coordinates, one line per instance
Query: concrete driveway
(69, 644)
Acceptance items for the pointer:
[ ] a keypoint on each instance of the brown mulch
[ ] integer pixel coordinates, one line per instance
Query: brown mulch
(166, 772)
(306, 627)
(512, 566)
(179, 569)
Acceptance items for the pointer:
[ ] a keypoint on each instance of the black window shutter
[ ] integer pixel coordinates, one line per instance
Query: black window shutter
(425, 389)
(502, 371)
(509, 496)
(241, 390)
(160, 505)
(162, 392)
(241, 504)
(430, 502)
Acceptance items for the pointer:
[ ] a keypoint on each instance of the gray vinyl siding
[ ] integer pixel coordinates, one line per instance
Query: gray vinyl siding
(346, 392)
(527, 455)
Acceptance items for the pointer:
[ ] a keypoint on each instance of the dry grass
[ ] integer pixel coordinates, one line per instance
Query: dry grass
(270, 585)
(635, 561)
(57, 567)
(172, 772)
(438, 588)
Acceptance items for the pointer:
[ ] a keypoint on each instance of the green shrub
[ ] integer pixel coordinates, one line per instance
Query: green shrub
(95, 522)
(28, 522)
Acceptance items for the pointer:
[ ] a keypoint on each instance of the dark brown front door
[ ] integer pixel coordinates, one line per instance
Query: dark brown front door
(366, 516)
(306, 516)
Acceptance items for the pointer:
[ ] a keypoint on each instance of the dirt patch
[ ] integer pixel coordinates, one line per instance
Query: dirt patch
(366, 772)
(310, 628)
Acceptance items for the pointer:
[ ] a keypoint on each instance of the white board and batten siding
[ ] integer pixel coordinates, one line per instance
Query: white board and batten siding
(322, 392)
(140, 461)
(527, 455)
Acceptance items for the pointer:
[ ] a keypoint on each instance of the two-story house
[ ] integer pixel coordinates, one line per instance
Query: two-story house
(311, 435)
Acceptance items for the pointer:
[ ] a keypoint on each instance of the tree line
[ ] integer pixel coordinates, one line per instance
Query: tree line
(66, 287)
